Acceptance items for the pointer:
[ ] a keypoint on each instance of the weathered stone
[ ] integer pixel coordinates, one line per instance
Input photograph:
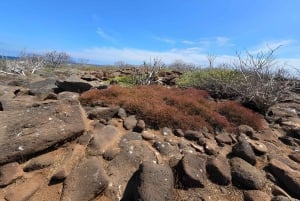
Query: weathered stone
(9, 173)
(126, 163)
(194, 136)
(155, 182)
(85, 182)
(258, 147)
(277, 191)
(103, 139)
(26, 190)
(148, 135)
(68, 95)
(223, 139)
(218, 170)
(244, 150)
(284, 159)
(140, 126)
(111, 154)
(130, 122)
(85, 138)
(166, 131)
(255, 195)
(43, 87)
(282, 198)
(122, 113)
(246, 176)
(286, 175)
(211, 147)
(288, 140)
(38, 128)
(171, 140)
(295, 156)
(194, 169)
(88, 77)
(70, 162)
(287, 115)
(245, 129)
(164, 148)
(130, 136)
(106, 113)
(15, 98)
(73, 86)
(179, 132)
(41, 162)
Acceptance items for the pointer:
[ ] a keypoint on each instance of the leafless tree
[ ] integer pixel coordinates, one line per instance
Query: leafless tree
(148, 72)
(55, 59)
(181, 66)
(260, 80)
(31, 62)
(211, 60)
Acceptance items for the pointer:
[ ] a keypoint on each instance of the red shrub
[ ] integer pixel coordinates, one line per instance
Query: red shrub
(237, 114)
(176, 108)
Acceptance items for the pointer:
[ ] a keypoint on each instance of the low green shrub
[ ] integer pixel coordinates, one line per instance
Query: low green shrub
(215, 80)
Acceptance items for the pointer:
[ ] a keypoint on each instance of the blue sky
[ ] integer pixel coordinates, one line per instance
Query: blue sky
(106, 31)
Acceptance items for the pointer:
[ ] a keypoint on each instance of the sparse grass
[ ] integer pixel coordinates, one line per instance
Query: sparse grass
(175, 108)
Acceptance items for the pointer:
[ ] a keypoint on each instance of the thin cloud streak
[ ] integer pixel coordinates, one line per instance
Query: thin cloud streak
(208, 42)
(195, 55)
(104, 35)
(271, 45)
(165, 40)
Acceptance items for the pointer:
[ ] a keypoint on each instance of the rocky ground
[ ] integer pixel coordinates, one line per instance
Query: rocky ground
(52, 148)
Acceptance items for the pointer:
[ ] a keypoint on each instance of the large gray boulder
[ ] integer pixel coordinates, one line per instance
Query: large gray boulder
(246, 176)
(38, 128)
(155, 182)
(85, 182)
(218, 170)
(194, 168)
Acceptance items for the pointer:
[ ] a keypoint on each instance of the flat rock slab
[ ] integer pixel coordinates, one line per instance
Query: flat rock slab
(254, 195)
(40, 162)
(85, 182)
(9, 173)
(103, 139)
(37, 128)
(24, 191)
(106, 113)
(156, 182)
(71, 160)
(287, 176)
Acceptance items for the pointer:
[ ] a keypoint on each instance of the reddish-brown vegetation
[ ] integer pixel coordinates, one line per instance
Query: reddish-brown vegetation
(176, 108)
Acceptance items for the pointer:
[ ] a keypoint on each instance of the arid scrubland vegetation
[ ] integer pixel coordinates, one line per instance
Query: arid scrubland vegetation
(255, 81)
(75, 131)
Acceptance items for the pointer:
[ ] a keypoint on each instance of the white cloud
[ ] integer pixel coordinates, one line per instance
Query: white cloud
(268, 45)
(104, 35)
(165, 40)
(209, 42)
(195, 55)
(189, 42)
(137, 56)
(221, 41)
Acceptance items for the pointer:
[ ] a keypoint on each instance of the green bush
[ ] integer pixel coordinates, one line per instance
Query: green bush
(214, 80)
